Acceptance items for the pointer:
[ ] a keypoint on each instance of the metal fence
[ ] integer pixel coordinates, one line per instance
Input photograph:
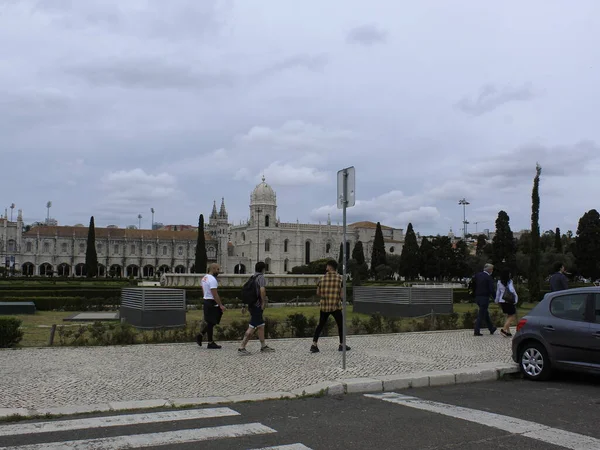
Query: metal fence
(394, 301)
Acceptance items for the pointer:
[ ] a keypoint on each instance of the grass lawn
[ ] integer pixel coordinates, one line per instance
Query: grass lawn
(24, 283)
(37, 326)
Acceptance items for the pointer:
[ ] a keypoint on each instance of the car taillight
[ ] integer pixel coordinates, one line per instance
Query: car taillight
(521, 324)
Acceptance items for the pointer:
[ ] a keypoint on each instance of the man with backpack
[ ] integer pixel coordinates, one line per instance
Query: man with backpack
(254, 295)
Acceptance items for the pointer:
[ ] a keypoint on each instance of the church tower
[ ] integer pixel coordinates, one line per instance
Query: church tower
(263, 221)
(222, 226)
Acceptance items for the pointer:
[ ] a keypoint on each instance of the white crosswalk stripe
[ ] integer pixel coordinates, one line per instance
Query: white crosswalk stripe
(114, 421)
(155, 439)
(184, 436)
(525, 428)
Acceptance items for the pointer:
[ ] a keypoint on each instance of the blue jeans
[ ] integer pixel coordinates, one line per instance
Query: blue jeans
(483, 315)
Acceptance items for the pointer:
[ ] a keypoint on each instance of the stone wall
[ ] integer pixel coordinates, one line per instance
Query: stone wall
(231, 280)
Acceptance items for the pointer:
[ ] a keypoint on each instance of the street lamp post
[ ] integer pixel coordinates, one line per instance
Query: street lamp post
(48, 206)
(464, 204)
(12, 206)
(140, 221)
(152, 211)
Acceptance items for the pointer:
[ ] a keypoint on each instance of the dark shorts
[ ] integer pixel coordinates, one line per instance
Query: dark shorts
(256, 316)
(212, 313)
(508, 309)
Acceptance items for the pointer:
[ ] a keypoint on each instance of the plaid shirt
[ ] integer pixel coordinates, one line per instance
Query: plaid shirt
(329, 289)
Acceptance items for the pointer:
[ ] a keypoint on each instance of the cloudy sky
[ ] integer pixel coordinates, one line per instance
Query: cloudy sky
(111, 107)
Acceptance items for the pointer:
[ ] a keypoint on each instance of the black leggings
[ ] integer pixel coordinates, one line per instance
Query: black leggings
(337, 315)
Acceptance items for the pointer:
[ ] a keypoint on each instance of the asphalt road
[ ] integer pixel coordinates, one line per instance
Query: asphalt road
(526, 415)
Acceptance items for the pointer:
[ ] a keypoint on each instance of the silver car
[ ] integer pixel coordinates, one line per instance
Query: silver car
(561, 332)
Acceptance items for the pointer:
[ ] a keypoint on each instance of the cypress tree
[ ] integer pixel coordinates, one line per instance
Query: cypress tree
(504, 248)
(481, 243)
(558, 241)
(358, 253)
(91, 256)
(409, 258)
(428, 263)
(378, 256)
(535, 254)
(201, 260)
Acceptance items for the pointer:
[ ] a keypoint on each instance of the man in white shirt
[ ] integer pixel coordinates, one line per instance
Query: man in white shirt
(212, 306)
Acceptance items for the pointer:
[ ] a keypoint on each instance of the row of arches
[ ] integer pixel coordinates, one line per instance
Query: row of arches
(115, 270)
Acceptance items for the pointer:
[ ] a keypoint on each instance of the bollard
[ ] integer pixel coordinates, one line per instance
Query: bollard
(52, 331)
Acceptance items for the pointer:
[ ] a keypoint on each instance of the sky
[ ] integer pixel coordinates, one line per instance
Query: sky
(110, 108)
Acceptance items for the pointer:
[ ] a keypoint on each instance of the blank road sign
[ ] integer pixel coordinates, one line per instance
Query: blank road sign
(347, 196)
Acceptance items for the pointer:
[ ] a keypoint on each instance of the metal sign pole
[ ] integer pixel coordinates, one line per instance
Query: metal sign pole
(345, 258)
(346, 198)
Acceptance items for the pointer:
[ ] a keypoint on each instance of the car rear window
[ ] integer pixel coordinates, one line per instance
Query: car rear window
(569, 307)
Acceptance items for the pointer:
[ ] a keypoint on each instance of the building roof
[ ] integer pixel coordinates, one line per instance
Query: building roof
(116, 233)
(368, 224)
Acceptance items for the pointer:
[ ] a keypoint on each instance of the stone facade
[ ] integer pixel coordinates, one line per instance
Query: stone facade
(236, 280)
(60, 250)
(284, 245)
(143, 253)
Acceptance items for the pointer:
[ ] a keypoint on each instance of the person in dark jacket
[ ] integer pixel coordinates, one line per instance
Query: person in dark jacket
(484, 291)
(559, 281)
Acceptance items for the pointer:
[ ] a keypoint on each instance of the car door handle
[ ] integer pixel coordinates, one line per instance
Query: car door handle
(549, 328)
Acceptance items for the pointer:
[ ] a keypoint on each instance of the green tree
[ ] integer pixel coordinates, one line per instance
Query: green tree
(524, 243)
(201, 258)
(460, 257)
(378, 256)
(504, 251)
(428, 263)
(444, 254)
(558, 247)
(91, 257)
(533, 278)
(481, 243)
(409, 258)
(587, 245)
(358, 253)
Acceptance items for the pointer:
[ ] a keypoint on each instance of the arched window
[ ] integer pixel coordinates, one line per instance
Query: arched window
(149, 252)
(243, 237)
(82, 248)
(46, 247)
(116, 249)
(285, 265)
(285, 245)
(180, 252)
(268, 245)
(99, 248)
(63, 247)
(12, 246)
(133, 253)
(29, 247)
(165, 250)
(307, 252)
(267, 264)
(392, 249)
(328, 247)
(267, 220)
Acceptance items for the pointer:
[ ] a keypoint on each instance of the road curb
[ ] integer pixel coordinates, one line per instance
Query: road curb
(386, 383)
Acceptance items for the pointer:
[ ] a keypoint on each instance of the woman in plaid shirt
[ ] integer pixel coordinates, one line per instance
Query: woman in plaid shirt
(329, 289)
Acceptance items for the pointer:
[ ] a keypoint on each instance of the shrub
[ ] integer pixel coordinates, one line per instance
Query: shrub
(356, 325)
(299, 324)
(272, 329)
(10, 332)
(392, 325)
(375, 324)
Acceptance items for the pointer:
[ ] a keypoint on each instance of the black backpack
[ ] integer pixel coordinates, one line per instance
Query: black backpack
(249, 294)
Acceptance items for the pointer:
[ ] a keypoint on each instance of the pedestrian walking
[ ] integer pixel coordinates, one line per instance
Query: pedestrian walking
(484, 291)
(558, 280)
(212, 306)
(254, 295)
(329, 289)
(507, 298)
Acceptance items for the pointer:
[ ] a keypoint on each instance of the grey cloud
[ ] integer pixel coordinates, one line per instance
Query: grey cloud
(366, 35)
(519, 165)
(148, 73)
(310, 62)
(491, 97)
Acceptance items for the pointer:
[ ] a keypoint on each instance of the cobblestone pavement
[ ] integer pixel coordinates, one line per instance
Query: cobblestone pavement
(55, 377)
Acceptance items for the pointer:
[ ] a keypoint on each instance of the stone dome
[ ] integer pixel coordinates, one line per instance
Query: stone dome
(263, 194)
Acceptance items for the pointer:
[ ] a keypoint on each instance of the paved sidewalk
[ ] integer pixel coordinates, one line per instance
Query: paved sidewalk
(41, 378)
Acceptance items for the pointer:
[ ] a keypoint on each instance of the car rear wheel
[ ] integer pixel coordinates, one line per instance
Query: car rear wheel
(534, 361)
